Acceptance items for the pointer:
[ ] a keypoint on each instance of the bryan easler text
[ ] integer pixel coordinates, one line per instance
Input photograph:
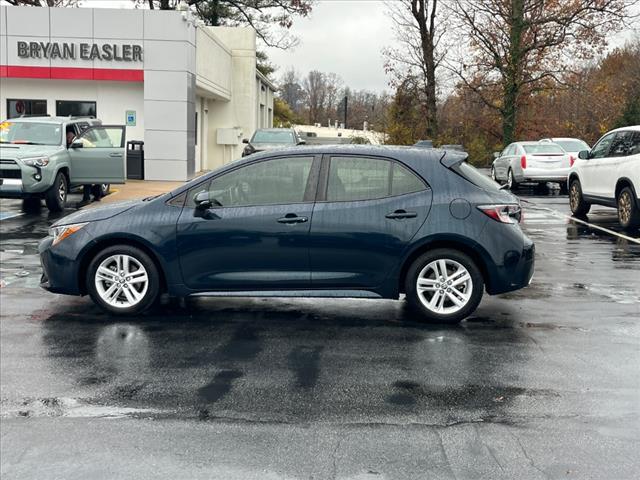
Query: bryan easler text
(84, 51)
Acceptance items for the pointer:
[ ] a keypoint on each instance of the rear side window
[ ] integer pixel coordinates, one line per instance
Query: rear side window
(625, 143)
(352, 179)
(404, 181)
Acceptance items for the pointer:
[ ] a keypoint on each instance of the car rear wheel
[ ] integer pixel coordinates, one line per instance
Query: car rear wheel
(578, 206)
(628, 209)
(123, 280)
(511, 182)
(444, 286)
(493, 174)
(56, 196)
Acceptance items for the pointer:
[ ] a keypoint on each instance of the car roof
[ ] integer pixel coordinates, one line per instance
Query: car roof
(554, 139)
(53, 119)
(630, 127)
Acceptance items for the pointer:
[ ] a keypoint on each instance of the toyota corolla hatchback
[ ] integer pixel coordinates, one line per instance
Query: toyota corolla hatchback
(330, 221)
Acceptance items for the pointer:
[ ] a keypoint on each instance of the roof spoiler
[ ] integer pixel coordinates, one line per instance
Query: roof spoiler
(451, 158)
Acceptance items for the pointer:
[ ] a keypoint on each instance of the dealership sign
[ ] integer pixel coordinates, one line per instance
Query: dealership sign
(83, 51)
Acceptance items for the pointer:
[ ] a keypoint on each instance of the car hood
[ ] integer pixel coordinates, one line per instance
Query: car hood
(99, 213)
(10, 150)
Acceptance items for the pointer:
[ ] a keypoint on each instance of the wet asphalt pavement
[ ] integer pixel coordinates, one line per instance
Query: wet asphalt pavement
(540, 383)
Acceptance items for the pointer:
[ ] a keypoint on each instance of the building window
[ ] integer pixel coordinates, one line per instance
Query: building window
(22, 107)
(68, 108)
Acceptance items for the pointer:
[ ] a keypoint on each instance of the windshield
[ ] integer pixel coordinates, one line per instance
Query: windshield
(273, 136)
(30, 133)
(572, 145)
(476, 177)
(543, 148)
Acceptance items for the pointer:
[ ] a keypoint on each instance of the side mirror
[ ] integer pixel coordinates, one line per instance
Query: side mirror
(584, 154)
(245, 140)
(202, 200)
(77, 144)
(302, 142)
(496, 155)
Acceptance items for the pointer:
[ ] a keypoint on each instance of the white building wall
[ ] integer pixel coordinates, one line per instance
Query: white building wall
(112, 99)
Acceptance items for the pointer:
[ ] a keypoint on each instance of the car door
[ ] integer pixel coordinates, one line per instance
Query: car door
(256, 235)
(368, 210)
(97, 155)
(592, 169)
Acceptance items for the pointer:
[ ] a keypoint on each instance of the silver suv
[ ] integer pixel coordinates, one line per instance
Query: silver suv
(44, 157)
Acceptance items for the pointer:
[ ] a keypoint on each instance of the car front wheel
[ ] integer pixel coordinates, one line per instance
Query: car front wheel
(123, 280)
(444, 286)
(628, 209)
(578, 206)
(56, 196)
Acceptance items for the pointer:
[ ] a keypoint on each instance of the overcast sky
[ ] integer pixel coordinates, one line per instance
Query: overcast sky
(341, 36)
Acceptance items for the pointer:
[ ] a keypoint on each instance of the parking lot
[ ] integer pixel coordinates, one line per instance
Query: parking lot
(540, 383)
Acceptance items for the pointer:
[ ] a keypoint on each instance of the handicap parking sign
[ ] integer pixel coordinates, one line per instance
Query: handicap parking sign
(131, 118)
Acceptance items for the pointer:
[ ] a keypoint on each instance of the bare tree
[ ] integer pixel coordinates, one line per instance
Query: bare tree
(519, 47)
(44, 3)
(291, 91)
(315, 89)
(420, 35)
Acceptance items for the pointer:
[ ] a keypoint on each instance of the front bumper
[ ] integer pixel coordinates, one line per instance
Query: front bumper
(60, 267)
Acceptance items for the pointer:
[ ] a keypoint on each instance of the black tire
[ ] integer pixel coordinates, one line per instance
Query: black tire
(628, 209)
(153, 288)
(96, 191)
(413, 297)
(493, 174)
(511, 182)
(56, 196)
(578, 206)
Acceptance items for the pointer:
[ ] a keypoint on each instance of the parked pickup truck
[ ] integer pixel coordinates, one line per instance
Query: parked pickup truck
(44, 157)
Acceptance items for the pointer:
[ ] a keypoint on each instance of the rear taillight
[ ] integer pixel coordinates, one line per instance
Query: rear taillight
(502, 213)
(572, 160)
(523, 161)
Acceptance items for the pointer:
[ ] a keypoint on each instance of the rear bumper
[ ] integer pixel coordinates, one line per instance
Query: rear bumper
(542, 175)
(516, 272)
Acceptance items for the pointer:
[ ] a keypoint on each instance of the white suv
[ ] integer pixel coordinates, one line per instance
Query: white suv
(609, 174)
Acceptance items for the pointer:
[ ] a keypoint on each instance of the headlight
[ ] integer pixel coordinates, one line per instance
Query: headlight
(64, 231)
(36, 161)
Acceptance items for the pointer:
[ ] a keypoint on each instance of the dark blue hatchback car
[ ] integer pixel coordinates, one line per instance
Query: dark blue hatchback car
(348, 221)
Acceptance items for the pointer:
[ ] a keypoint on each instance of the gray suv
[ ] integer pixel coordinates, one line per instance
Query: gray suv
(44, 157)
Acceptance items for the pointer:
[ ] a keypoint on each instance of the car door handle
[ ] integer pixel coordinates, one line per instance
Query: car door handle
(399, 214)
(291, 218)
(115, 155)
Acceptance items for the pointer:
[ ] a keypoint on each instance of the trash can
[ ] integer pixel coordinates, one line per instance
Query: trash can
(135, 160)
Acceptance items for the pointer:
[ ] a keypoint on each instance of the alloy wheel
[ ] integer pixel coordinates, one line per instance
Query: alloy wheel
(574, 197)
(62, 190)
(493, 174)
(121, 281)
(625, 208)
(444, 286)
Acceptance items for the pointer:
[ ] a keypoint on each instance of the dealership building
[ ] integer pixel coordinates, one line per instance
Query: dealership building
(189, 91)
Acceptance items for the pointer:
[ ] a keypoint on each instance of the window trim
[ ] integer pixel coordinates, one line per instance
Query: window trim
(323, 185)
(309, 193)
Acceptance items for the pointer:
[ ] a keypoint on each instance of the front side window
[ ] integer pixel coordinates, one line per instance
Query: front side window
(102, 137)
(273, 182)
(25, 107)
(67, 108)
(30, 133)
(601, 148)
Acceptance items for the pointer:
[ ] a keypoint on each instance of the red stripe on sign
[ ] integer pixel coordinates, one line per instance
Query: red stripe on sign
(72, 73)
